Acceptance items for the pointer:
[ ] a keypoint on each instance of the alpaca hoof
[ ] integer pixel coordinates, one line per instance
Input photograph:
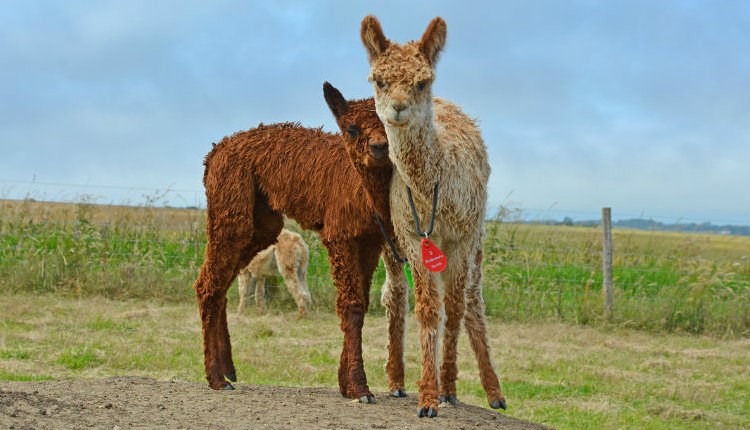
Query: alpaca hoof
(398, 393)
(368, 399)
(427, 412)
(450, 398)
(231, 377)
(228, 387)
(499, 404)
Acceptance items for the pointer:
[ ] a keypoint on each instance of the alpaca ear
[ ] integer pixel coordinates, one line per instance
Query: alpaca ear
(433, 40)
(373, 38)
(336, 102)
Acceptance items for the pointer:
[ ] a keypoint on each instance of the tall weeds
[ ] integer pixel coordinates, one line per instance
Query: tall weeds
(663, 281)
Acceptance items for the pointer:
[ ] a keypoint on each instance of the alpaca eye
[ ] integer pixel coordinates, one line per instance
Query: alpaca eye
(380, 84)
(421, 85)
(352, 130)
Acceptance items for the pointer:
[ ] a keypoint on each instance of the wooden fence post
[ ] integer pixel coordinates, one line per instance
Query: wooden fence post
(607, 261)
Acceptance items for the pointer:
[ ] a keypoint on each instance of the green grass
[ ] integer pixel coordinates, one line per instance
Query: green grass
(79, 357)
(7, 376)
(15, 355)
(92, 291)
(664, 282)
(566, 376)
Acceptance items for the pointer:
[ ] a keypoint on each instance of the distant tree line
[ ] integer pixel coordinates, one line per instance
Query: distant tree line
(649, 224)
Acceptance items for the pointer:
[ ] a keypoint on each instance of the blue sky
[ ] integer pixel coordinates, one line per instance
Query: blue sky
(643, 106)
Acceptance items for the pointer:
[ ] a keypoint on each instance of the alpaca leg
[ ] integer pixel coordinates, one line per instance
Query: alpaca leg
(266, 227)
(477, 330)
(225, 346)
(244, 282)
(302, 278)
(260, 294)
(427, 309)
(351, 306)
(358, 299)
(395, 299)
(211, 287)
(298, 289)
(344, 369)
(293, 268)
(305, 299)
(230, 231)
(455, 306)
(368, 262)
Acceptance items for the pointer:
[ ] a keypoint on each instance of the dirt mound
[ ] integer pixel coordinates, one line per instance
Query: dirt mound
(141, 403)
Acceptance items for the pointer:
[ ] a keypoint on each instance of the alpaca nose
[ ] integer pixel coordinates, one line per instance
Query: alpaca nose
(399, 106)
(379, 146)
(379, 149)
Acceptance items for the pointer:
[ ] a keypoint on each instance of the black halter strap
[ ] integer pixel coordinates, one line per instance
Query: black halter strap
(388, 239)
(432, 216)
(424, 234)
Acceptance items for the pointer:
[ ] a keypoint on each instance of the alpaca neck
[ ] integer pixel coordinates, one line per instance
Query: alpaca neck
(416, 156)
(377, 185)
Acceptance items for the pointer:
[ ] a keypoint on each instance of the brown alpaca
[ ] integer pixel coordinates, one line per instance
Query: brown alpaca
(431, 141)
(331, 184)
(289, 257)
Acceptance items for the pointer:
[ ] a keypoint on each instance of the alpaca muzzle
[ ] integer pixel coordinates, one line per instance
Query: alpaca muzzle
(398, 113)
(379, 151)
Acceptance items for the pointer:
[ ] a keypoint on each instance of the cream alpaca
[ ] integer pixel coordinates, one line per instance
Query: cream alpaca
(432, 140)
(289, 257)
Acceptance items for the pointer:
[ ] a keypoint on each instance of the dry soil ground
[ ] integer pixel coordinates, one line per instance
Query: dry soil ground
(142, 403)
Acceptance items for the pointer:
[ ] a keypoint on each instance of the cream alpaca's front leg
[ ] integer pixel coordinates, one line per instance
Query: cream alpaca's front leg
(455, 306)
(428, 311)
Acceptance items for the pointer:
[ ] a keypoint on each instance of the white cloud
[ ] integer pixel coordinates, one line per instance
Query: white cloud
(639, 105)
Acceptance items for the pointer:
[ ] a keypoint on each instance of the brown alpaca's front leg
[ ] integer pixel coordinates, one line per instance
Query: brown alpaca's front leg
(455, 306)
(395, 299)
(351, 306)
(476, 327)
(344, 370)
(427, 308)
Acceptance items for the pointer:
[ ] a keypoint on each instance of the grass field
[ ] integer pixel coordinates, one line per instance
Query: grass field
(663, 281)
(562, 375)
(90, 291)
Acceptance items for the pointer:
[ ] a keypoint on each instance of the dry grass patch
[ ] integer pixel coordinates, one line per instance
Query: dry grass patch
(561, 375)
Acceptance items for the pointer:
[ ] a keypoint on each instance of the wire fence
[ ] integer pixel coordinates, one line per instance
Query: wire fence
(169, 195)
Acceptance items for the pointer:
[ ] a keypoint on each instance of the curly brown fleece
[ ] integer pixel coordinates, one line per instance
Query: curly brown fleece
(329, 183)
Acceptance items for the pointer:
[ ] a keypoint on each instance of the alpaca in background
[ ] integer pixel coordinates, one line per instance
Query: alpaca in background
(288, 257)
(433, 142)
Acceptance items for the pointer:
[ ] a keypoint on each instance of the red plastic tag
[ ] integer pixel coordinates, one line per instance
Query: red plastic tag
(432, 257)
